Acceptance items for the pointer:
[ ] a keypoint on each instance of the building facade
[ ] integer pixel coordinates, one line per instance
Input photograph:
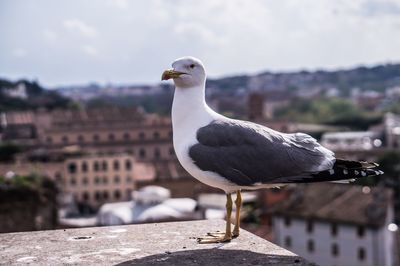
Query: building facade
(392, 130)
(113, 130)
(337, 224)
(99, 179)
(91, 179)
(352, 140)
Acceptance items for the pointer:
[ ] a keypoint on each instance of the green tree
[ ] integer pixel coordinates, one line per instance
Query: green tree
(335, 111)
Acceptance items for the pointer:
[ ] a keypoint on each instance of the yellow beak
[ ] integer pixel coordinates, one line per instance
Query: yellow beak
(170, 73)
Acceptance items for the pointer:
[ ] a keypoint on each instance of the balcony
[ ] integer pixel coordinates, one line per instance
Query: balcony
(145, 244)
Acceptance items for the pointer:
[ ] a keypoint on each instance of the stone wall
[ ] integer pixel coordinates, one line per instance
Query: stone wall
(27, 209)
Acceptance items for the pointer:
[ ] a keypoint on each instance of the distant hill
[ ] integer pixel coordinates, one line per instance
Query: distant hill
(24, 95)
(157, 98)
(376, 78)
(366, 78)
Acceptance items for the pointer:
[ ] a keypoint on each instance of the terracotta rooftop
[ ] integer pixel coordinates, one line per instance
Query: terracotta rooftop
(91, 116)
(98, 114)
(18, 118)
(343, 203)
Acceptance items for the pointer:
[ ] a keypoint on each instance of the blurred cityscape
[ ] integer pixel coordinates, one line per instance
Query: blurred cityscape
(102, 155)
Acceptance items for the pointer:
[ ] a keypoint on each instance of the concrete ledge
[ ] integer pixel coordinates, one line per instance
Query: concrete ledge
(146, 244)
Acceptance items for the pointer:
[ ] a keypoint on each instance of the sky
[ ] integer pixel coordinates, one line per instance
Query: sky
(70, 42)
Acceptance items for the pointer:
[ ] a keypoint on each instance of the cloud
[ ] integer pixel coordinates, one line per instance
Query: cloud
(19, 52)
(196, 31)
(233, 36)
(49, 36)
(90, 50)
(374, 8)
(77, 25)
(121, 4)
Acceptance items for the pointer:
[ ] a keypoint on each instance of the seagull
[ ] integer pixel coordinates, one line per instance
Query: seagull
(235, 155)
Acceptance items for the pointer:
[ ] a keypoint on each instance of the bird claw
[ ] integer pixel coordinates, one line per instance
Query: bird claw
(235, 233)
(215, 237)
(216, 234)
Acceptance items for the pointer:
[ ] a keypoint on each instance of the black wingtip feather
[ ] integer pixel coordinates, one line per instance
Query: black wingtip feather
(338, 172)
(341, 171)
(354, 164)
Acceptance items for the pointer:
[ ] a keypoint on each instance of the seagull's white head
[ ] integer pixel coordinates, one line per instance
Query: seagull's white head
(187, 72)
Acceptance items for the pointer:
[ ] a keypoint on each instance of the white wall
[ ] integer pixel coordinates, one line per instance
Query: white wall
(376, 243)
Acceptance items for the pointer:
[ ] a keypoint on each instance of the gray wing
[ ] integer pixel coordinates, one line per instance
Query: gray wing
(246, 153)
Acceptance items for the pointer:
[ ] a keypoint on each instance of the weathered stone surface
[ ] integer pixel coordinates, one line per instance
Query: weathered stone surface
(147, 244)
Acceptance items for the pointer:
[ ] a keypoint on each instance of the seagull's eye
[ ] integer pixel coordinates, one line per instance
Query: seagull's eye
(192, 66)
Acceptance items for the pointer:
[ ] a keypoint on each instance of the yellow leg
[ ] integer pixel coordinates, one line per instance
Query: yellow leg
(238, 203)
(228, 234)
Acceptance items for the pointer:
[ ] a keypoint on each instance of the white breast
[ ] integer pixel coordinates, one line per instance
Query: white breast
(189, 113)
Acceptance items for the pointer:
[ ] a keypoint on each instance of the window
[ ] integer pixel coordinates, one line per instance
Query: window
(276, 190)
(142, 136)
(334, 229)
(96, 138)
(116, 179)
(73, 181)
(49, 140)
(360, 231)
(96, 180)
(111, 137)
(335, 250)
(310, 226)
(288, 241)
(157, 153)
(97, 196)
(127, 136)
(58, 177)
(128, 193)
(128, 179)
(116, 165)
(72, 168)
(81, 139)
(85, 196)
(65, 139)
(156, 135)
(85, 181)
(117, 194)
(361, 254)
(96, 166)
(104, 166)
(105, 195)
(128, 165)
(310, 246)
(287, 221)
(142, 153)
(129, 151)
(105, 180)
(84, 167)
(171, 151)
